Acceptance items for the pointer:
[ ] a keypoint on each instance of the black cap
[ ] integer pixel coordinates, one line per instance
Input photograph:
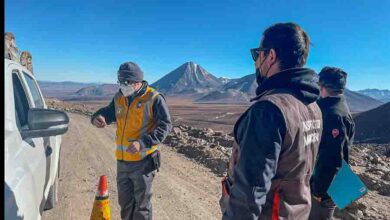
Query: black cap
(130, 71)
(333, 78)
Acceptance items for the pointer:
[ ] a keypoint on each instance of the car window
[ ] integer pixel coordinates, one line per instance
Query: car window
(21, 103)
(32, 85)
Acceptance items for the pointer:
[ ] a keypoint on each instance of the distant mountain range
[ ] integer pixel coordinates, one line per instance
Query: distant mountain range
(381, 95)
(224, 80)
(101, 92)
(61, 90)
(235, 91)
(360, 103)
(192, 81)
(243, 89)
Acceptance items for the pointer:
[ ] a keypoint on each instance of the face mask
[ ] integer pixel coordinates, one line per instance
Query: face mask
(127, 90)
(259, 76)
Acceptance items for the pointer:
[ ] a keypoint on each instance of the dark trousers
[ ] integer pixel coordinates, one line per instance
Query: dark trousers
(135, 190)
(223, 202)
(322, 210)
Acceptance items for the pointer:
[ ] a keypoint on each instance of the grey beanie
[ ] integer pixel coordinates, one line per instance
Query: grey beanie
(130, 71)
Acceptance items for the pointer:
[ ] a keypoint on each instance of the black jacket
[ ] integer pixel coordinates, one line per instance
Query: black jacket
(260, 133)
(160, 112)
(337, 137)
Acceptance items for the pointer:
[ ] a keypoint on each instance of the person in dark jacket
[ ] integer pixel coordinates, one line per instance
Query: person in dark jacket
(337, 137)
(142, 123)
(278, 136)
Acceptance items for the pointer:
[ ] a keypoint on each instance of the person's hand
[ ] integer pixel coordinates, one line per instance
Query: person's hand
(318, 199)
(135, 147)
(99, 121)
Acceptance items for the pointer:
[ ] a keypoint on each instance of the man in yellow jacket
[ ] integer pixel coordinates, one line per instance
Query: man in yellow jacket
(142, 123)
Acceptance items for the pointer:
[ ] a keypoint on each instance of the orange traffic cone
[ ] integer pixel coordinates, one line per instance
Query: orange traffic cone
(101, 206)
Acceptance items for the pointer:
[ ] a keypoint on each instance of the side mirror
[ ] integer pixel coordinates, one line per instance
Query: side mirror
(45, 122)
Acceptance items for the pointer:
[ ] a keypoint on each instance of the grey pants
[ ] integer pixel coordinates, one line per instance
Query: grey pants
(135, 189)
(322, 210)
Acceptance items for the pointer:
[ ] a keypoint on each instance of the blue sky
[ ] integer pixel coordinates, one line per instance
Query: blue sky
(86, 41)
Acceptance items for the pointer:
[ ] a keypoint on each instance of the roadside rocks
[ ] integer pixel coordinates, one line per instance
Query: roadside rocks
(370, 162)
(205, 136)
(69, 107)
(363, 210)
(374, 167)
(206, 146)
(358, 211)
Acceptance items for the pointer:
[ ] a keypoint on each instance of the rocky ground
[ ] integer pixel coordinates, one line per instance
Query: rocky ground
(208, 147)
(73, 107)
(369, 161)
(213, 148)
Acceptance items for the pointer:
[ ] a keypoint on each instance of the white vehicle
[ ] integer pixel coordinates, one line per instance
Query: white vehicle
(32, 146)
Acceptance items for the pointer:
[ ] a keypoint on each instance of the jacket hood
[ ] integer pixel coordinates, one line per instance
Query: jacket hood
(142, 90)
(302, 82)
(330, 103)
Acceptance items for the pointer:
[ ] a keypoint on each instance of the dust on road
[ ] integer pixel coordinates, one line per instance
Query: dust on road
(182, 189)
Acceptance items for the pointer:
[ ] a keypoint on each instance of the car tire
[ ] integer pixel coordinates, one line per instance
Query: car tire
(52, 198)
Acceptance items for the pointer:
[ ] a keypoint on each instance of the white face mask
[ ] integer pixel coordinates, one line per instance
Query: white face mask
(126, 90)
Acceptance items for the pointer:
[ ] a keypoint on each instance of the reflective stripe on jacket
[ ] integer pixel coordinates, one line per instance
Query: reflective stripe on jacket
(132, 122)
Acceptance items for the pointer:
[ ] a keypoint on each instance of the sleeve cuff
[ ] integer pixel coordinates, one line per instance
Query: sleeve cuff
(142, 143)
(92, 118)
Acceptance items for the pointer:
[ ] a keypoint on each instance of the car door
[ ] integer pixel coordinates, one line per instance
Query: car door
(15, 198)
(38, 102)
(32, 151)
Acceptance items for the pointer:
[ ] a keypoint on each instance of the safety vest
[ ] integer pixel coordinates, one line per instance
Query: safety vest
(132, 122)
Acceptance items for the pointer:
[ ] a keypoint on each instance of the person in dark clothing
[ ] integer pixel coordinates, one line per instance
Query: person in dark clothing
(277, 138)
(337, 137)
(142, 123)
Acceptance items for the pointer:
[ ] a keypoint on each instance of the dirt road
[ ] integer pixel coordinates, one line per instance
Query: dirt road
(182, 189)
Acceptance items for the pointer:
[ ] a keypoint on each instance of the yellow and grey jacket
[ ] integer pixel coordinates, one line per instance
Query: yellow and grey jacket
(142, 117)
